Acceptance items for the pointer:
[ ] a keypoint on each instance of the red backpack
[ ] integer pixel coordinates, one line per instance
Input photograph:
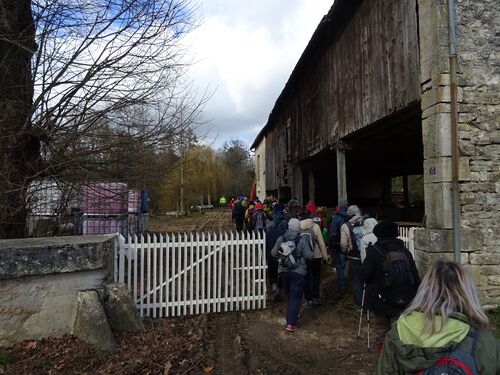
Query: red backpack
(459, 361)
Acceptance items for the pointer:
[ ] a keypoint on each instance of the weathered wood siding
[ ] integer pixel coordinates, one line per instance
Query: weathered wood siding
(365, 73)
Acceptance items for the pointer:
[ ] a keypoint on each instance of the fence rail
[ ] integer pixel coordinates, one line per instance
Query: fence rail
(183, 274)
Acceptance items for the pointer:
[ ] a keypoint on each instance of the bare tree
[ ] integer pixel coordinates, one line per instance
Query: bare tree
(109, 91)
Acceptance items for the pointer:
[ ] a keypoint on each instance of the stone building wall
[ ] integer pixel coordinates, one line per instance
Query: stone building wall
(479, 132)
(40, 278)
(478, 46)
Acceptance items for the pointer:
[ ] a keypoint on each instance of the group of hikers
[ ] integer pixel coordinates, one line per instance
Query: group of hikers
(431, 326)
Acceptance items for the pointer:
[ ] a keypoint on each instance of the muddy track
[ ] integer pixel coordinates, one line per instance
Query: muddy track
(255, 342)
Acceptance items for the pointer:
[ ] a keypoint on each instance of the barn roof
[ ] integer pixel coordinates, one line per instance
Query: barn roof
(330, 26)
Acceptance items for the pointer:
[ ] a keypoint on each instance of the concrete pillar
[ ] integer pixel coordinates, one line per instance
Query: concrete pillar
(341, 175)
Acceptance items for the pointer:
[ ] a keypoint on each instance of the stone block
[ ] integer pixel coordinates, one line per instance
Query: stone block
(43, 256)
(438, 169)
(33, 307)
(441, 240)
(121, 309)
(464, 172)
(91, 324)
(438, 204)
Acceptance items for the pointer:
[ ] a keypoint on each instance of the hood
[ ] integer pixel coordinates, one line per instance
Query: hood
(290, 235)
(306, 224)
(390, 244)
(356, 219)
(310, 207)
(368, 225)
(416, 351)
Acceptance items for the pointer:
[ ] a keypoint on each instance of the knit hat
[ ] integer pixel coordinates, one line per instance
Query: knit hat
(258, 206)
(343, 202)
(294, 224)
(386, 229)
(353, 210)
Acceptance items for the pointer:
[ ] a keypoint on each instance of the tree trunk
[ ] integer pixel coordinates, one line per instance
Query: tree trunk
(19, 147)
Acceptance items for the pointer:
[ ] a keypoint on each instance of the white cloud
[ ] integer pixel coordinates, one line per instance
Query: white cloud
(246, 51)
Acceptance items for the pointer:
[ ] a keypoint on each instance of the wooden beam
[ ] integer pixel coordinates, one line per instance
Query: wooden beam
(341, 175)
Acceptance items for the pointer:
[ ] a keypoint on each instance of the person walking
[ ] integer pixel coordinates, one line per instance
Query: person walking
(238, 215)
(313, 276)
(275, 230)
(293, 276)
(443, 329)
(391, 278)
(368, 237)
(350, 242)
(338, 219)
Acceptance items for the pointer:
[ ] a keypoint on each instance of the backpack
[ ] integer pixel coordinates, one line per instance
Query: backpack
(356, 234)
(287, 255)
(337, 221)
(395, 283)
(259, 220)
(459, 361)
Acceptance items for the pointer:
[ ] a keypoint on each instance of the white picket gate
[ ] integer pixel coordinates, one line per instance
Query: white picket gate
(183, 274)
(407, 234)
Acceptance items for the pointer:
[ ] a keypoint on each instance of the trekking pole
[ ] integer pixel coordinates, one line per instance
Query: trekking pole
(368, 320)
(361, 312)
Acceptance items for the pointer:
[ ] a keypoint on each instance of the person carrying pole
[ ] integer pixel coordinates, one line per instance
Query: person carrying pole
(391, 278)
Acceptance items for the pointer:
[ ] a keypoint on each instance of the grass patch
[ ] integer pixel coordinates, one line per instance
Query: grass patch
(494, 316)
(6, 358)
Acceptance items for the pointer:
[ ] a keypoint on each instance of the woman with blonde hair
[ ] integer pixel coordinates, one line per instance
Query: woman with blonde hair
(443, 330)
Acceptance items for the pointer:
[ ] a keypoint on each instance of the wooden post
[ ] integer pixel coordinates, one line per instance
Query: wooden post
(312, 187)
(341, 175)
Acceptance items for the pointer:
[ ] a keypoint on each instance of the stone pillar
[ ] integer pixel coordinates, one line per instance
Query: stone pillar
(341, 175)
(478, 110)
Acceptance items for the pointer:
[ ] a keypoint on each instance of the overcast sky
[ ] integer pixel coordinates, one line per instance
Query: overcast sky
(245, 52)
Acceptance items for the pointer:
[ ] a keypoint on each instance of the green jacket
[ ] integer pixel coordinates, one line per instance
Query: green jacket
(406, 350)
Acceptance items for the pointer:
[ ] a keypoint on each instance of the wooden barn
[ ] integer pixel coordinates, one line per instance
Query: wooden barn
(377, 111)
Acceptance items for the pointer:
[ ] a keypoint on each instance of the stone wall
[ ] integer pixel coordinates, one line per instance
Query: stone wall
(479, 138)
(40, 278)
(479, 125)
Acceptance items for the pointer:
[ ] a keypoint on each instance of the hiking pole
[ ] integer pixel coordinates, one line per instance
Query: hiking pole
(368, 320)
(361, 312)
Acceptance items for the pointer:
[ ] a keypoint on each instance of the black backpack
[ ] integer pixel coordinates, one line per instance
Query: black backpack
(395, 282)
(459, 361)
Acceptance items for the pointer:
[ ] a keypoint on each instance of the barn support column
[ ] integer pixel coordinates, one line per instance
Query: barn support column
(312, 186)
(341, 175)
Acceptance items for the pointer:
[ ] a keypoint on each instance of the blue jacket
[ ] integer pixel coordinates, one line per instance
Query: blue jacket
(334, 236)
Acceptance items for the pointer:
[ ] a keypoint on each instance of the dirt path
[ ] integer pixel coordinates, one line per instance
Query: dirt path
(255, 342)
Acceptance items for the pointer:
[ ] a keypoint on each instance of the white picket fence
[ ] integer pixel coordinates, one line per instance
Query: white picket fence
(183, 274)
(407, 234)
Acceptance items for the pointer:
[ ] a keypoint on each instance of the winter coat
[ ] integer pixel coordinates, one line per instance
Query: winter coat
(272, 235)
(345, 235)
(368, 236)
(319, 244)
(238, 212)
(280, 220)
(304, 250)
(371, 272)
(406, 350)
(338, 219)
